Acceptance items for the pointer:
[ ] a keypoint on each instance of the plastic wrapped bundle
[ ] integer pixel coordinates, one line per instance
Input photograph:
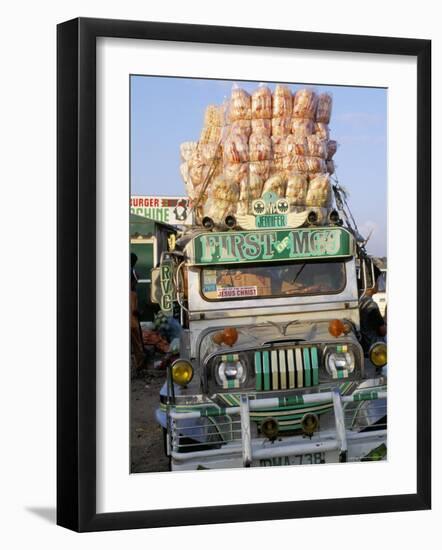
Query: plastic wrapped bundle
(202, 164)
(236, 149)
(322, 130)
(262, 126)
(296, 192)
(278, 154)
(236, 172)
(240, 105)
(223, 189)
(184, 171)
(295, 145)
(242, 127)
(330, 167)
(276, 184)
(316, 146)
(332, 147)
(260, 169)
(281, 127)
(319, 192)
(249, 191)
(197, 172)
(197, 194)
(324, 108)
(302, 127)
(260, 147)
(294, 150)
(210, 134)
(222, 199)
(217, 210)
(282, 102)
(304, 104)
(316, 165)
(187, 149)
(296, 163)
(255, 186)
(262, 103)
(209, 152)
(251, 188)
(213, 116)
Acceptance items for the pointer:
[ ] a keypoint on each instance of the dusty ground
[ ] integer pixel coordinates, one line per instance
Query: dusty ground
(147, 453)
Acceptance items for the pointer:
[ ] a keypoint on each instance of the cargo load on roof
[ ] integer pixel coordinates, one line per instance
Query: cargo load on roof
(262, 154)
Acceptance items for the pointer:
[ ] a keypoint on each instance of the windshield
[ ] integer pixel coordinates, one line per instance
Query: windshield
(295, 279)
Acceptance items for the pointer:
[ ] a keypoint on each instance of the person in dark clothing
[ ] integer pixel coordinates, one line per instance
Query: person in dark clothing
(373, 327)
(133, 273)
(136, 335)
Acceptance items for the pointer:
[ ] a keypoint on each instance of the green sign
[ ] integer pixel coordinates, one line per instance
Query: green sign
(167, 287)
(271, 220)
(271, 246)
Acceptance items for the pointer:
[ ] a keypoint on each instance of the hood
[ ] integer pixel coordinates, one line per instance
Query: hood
(258, 335)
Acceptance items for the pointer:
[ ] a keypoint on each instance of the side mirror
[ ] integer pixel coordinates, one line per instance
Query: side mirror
(368, 274)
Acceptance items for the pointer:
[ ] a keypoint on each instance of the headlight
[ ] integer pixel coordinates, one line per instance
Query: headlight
(339, 361)
(230, 371)
(378, 354)
(182, 372)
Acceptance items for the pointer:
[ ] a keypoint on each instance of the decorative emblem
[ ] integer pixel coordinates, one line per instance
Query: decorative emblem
(271, 211)
(259, 207)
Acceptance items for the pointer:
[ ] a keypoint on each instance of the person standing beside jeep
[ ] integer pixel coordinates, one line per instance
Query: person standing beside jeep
(373, 327)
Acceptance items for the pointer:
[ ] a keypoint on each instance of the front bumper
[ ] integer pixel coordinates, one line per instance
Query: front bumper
(210, 437)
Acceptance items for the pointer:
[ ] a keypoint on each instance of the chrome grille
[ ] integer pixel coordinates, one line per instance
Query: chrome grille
(286, 368)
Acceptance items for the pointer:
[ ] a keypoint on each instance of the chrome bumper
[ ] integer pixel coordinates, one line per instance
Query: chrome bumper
(245, 450)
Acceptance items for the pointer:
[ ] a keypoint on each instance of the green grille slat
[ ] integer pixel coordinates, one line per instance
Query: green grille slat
(307, 367)
(315, 366)
(266, 369)
(258, 370)
(299, 369)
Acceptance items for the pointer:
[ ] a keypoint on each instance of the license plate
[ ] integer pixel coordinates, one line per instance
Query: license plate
(294, 460)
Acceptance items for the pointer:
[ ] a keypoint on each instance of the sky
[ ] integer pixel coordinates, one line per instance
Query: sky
(167, 111)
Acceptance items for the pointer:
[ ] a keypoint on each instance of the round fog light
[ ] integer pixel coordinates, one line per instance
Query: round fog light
(310, 423)
(182, 372)
(270, 427)
(378, 354)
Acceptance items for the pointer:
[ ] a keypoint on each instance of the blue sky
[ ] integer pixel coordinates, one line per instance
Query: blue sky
(167, 111)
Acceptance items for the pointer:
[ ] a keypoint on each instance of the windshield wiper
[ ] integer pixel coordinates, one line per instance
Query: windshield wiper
(299, 272)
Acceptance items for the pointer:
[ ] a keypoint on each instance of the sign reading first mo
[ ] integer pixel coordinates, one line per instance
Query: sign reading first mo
(271, 246)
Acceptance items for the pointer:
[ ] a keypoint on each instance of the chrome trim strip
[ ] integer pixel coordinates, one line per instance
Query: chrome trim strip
(246, 435)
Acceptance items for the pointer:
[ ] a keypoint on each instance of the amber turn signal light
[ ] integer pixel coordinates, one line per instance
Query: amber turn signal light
(228, 336)
(336, 327)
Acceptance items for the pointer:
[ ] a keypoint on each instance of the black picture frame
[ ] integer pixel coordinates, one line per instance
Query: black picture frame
(76, 273)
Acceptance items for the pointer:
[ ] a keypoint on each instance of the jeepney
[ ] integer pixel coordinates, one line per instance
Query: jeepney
(271, 371)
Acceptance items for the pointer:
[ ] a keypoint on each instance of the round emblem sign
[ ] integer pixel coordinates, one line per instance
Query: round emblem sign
(282, 206)
(259, 207)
